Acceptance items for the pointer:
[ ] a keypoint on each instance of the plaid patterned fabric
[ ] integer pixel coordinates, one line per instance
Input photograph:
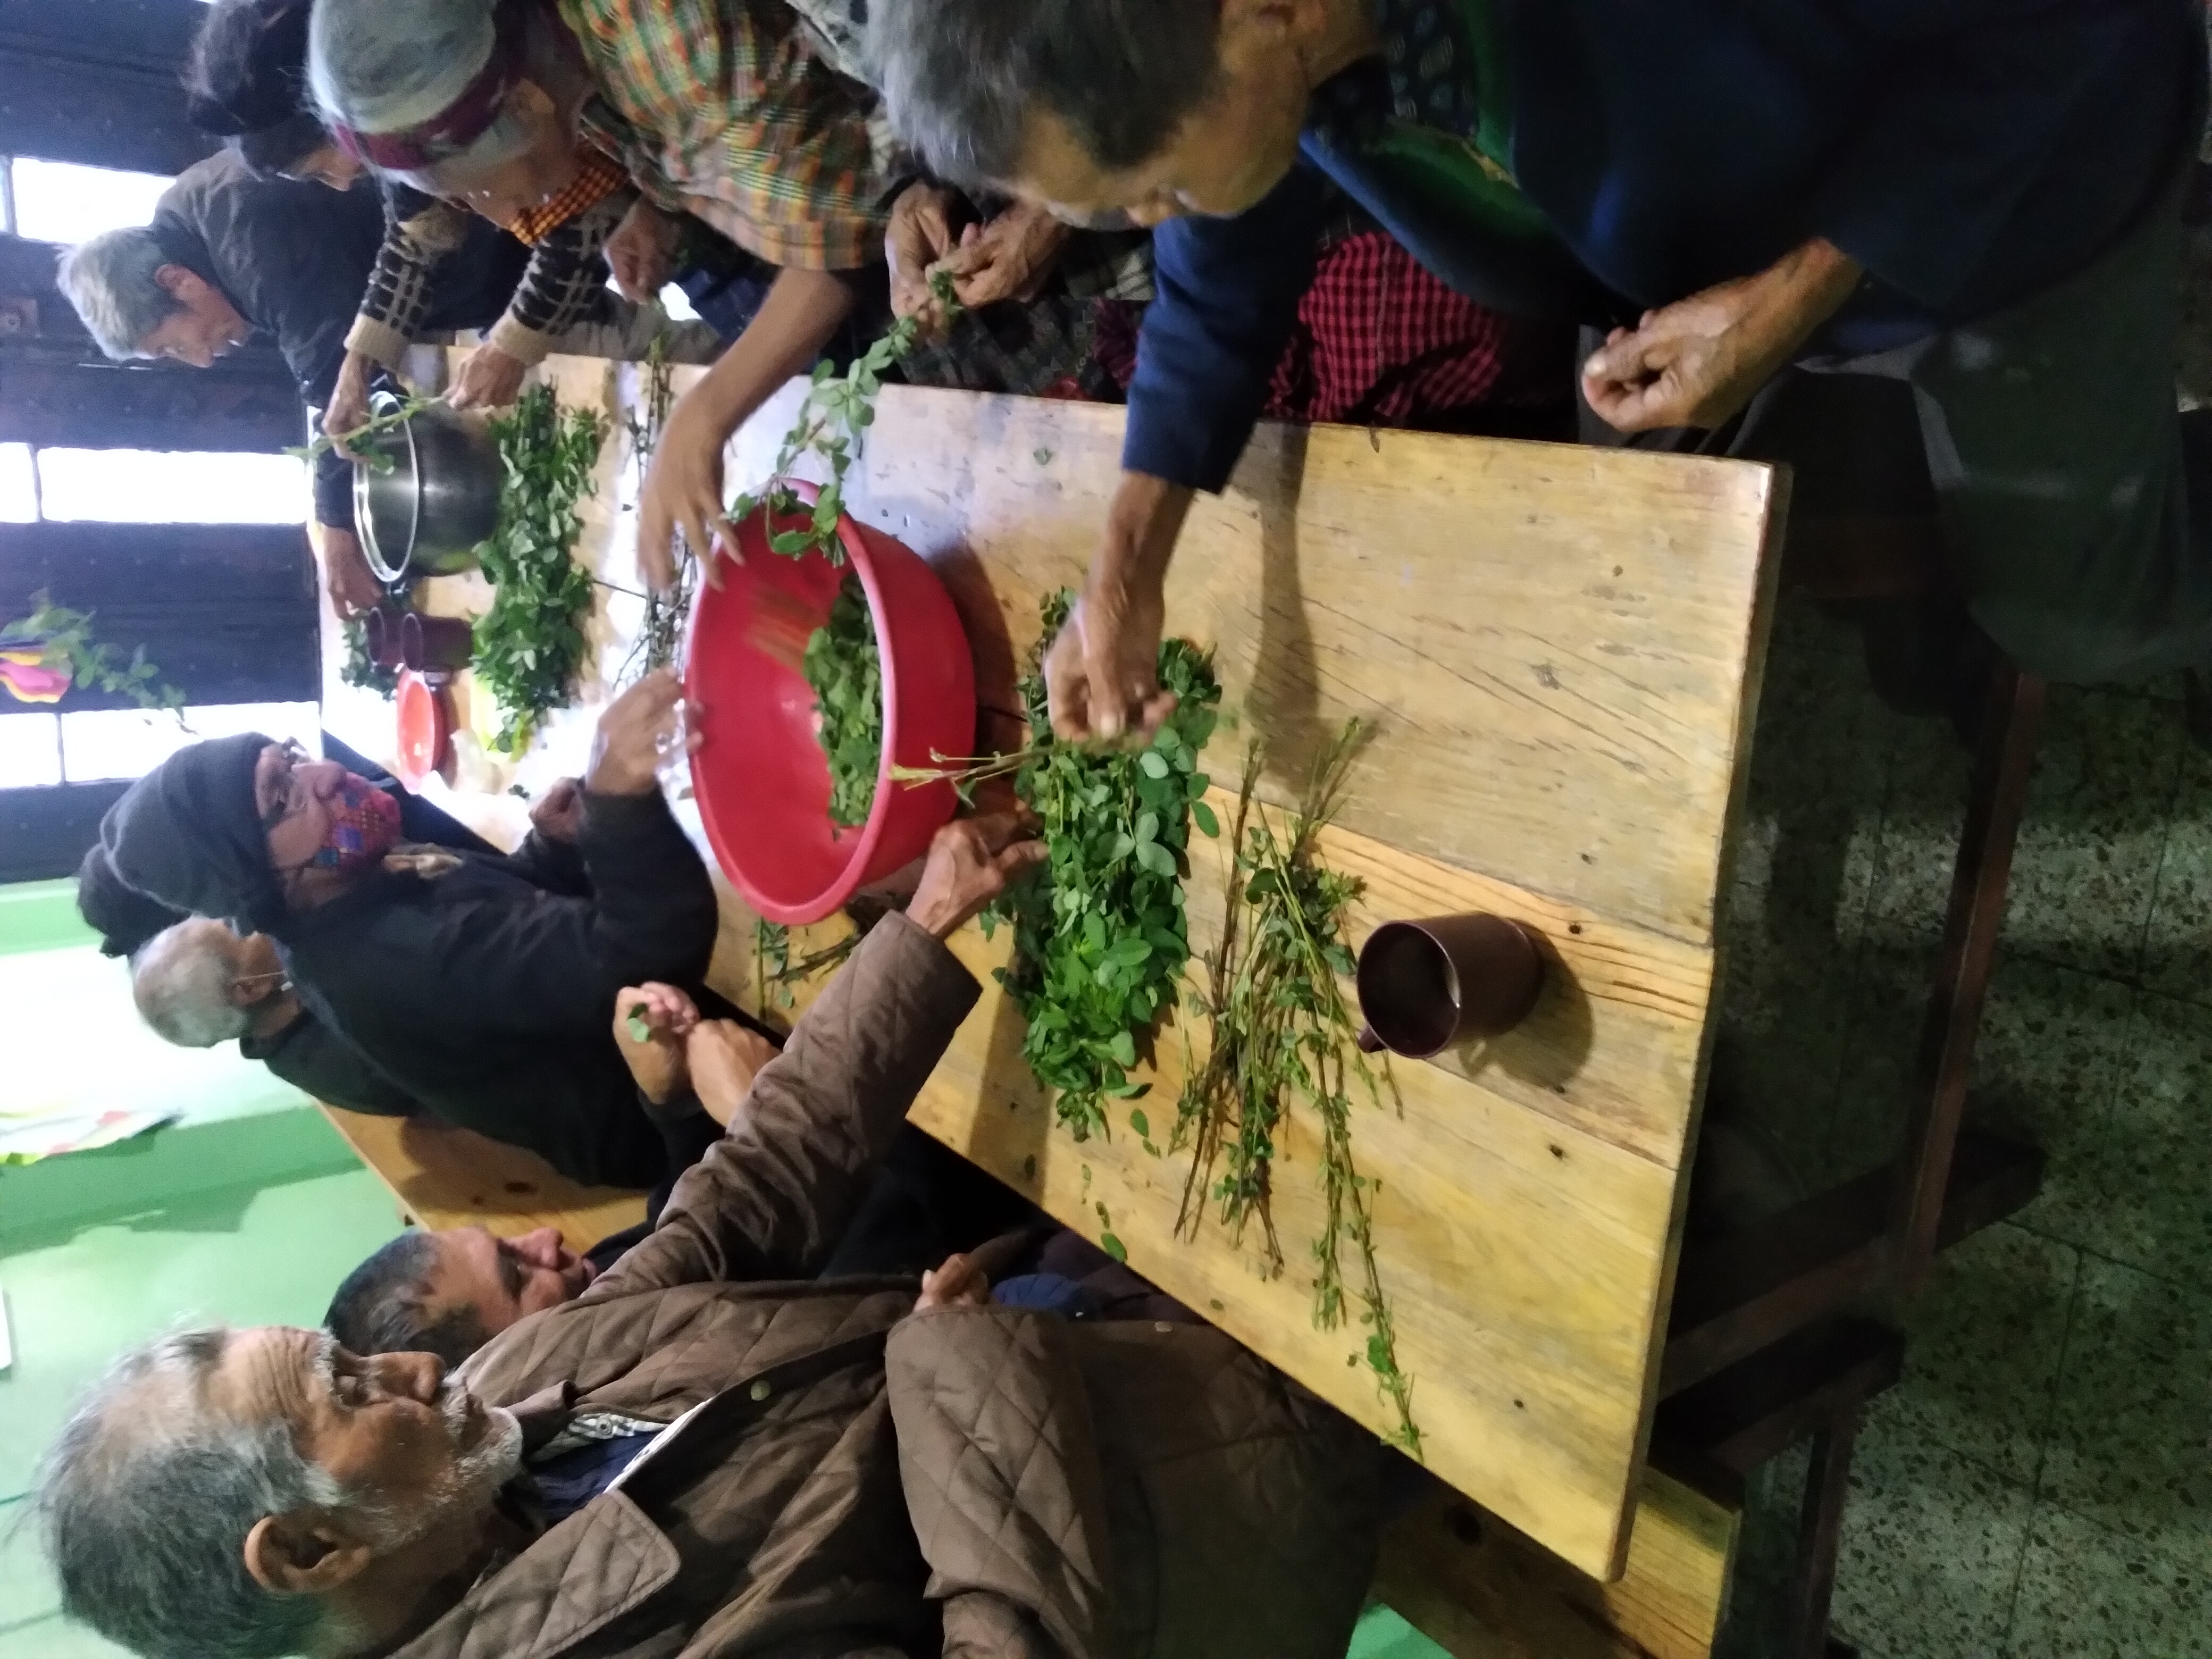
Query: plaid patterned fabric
(561, 287)
(600, 177)
(1380, 342)
(725, 108)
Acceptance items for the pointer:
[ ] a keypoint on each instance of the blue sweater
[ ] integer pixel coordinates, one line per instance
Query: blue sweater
(1968, 153)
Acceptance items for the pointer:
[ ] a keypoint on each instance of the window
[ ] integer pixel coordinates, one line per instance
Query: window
(146, 486)
(99, 743)
(30, 750)
(65, 202)
(19, 485)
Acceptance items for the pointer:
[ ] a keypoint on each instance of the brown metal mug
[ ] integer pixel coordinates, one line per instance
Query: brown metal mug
(428, 644)
(1426, 985)
(380, 634)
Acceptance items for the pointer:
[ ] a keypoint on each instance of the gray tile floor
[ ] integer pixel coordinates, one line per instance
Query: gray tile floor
(2040, 1485)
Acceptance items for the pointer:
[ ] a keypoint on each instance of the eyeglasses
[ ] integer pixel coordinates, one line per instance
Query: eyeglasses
(284, 789)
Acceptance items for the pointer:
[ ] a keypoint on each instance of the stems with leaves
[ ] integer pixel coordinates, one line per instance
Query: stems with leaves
(1282, 1029)
(57, 630)
(530, 645)
(838, 410)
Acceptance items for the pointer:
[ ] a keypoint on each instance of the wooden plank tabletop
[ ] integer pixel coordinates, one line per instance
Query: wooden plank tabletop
(1560, 648)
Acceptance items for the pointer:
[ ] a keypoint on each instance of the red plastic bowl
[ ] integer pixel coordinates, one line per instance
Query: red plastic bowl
(759, 775)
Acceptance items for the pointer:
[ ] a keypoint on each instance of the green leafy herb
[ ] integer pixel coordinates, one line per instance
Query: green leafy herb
(640, 1031)
(838, 410)
(1099, 939)
(531, 643)
(842, 666)
(1281, 1028)
(362, 440)
(1113, 1247)
(58, 632)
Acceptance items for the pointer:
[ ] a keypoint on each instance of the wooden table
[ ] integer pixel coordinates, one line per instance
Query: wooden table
(1559, 647)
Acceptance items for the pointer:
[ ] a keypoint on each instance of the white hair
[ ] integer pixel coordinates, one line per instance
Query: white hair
(111, 280)
(385, 65)
(181, 979)
(146, 1498)
(147, 1495)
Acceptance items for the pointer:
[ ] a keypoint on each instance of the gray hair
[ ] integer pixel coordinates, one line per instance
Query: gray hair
(384, 1306)
(181, 979)
(110, 281)
(385, 65)
(961, 77)
(145, 1506)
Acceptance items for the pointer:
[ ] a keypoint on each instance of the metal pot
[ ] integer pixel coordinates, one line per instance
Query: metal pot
(426, 513)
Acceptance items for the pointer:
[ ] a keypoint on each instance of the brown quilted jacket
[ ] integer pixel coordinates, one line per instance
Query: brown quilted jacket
(859, 1480)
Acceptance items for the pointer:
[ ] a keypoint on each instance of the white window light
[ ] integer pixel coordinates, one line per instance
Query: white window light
(66, 202)
(152, 486)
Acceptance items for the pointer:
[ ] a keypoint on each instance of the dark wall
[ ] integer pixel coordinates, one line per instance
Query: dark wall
(228, 612)
(96, 81)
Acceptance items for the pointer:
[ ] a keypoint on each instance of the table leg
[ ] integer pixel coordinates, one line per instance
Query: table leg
(2004, 760)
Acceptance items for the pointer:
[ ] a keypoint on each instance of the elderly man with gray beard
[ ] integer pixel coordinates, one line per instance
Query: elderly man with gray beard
(724, 1459)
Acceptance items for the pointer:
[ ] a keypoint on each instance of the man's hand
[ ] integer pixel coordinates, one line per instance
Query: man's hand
(1101, 673)
(958, 1281)
(1698, 361)
(489, 378)
(653, 1023)
(637, 731)
(1009, 258)
(558, 814)
(921, 234)
(348, 410)
(971, 862)
(641, 252)
(353, 589)
(725, 1058)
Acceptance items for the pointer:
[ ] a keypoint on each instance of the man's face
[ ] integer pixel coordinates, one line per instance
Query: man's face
(204, 327)
(1229, 152)
(297, 801)
(411, 1446)
(546, 168)
(503, 1280)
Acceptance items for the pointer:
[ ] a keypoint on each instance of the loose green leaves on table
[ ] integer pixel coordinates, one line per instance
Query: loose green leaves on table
(530, 645)
(1099, 937)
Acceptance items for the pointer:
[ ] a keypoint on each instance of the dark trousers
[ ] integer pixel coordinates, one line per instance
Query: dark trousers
(2076, 502)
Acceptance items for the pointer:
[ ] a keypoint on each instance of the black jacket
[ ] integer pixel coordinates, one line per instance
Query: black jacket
(488, 994)
(294, 258)
(322, 1064)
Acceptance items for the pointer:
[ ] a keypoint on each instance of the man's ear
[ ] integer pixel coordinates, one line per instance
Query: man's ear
(245, 992)
(182, 285)
(303, 1554)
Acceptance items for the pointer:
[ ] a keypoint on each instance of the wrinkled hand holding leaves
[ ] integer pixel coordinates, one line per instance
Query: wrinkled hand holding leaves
(362, 440)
